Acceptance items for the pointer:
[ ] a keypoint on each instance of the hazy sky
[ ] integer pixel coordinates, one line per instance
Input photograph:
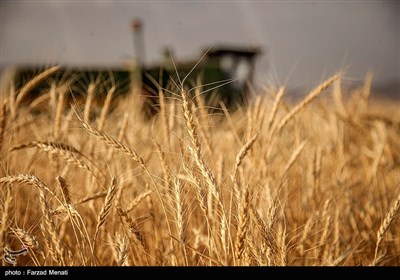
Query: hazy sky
(303, 41)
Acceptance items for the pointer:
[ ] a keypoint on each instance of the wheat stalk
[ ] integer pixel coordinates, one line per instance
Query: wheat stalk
(67, 152)
(89, 100)
(390, 216)
(367, 90)
(64, 188)
(163, 115)
(294, 156)
(59, 110)
(3, 109)
(33, 83)
(195, 149)
(164, 165)
(29, 179)
(5, 219)
(132, 225)
(243, 152)
(121, 133)
(310, 97)
(135, 202)
(110, 141)
(105, 108)
(13, 109)
(27, 238)
(50, 231)
(242, 225)
(105, 209)
(91, 197)
(123, 250)
(275, 107)
(180, 216)
(338, 100)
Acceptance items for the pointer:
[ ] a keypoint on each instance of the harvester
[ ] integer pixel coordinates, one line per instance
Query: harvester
(225, 73)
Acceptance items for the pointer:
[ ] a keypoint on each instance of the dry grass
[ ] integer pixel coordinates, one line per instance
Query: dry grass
(316, 183)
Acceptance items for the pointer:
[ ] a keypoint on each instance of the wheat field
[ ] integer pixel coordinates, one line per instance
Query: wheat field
(89, 183)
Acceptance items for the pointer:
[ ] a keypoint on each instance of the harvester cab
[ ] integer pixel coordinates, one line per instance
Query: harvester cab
(225, 73)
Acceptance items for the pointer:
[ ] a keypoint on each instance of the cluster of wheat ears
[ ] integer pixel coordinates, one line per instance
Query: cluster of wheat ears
(270, 184)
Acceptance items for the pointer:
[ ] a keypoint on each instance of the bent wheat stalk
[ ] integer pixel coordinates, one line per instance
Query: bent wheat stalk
(67, 152)
(31, 180)
(34, 82)
(310, 97)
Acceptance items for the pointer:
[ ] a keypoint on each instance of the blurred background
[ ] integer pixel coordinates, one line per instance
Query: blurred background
(302, 42)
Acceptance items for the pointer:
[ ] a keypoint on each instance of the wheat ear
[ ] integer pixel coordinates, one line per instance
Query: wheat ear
(242, 153)
(59, 110)
(242, 226)
(110, 141)
(310, 97)
(31, 180)
(5, 217)
(105, 210)
(64, 188)
(27, 239)
(294, 156)
(106, 107)
(385, 226)
(89, 100)
(195, 149)
(132, 225)
(67, 152)
(50, 231)
(122, 245)
(3, 118)
(135, 202)
(180, 216)
(34, 82)
(275, 107)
